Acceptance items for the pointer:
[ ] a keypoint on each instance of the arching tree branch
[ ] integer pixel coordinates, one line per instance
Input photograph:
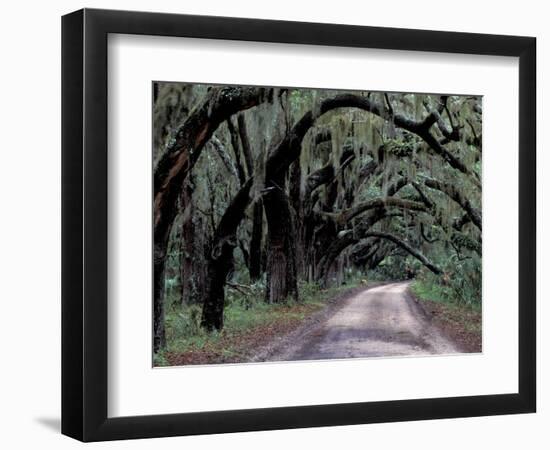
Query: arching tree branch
(405, 246)
(184, 149)
(348, 214)
(289, 149)
(452, 192)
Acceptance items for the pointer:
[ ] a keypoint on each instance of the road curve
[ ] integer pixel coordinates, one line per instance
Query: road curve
(378, 321)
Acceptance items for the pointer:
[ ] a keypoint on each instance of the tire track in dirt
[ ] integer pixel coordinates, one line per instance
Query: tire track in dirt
(378, 321)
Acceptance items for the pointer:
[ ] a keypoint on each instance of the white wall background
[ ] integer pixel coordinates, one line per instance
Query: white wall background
(30, 224)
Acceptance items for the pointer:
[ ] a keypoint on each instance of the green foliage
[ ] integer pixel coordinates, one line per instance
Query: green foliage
(399, 148)
(461, 286)
(391, 268)
(465, 280)
(159, 360)
(450, 311)
(429, 288)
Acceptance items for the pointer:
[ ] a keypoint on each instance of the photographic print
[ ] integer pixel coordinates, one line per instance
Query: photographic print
(294, 224)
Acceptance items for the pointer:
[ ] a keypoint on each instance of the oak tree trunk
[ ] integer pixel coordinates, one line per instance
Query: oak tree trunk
(220, 259)
(255, 266)
(192, 253)
(281, 268)
(161, 235)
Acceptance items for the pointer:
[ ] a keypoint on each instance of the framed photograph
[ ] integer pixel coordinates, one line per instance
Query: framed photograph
(273, 224)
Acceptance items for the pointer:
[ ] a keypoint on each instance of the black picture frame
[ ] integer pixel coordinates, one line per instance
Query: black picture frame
(84, 224)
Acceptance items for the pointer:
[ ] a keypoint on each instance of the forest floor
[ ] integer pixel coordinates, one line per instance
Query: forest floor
(248, 329)
(384, 319)
(461, 323)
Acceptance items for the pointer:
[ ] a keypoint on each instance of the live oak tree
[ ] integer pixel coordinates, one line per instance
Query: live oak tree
(172, 169)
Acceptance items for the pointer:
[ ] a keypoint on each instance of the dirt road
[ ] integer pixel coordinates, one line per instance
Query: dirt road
(378, 321)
